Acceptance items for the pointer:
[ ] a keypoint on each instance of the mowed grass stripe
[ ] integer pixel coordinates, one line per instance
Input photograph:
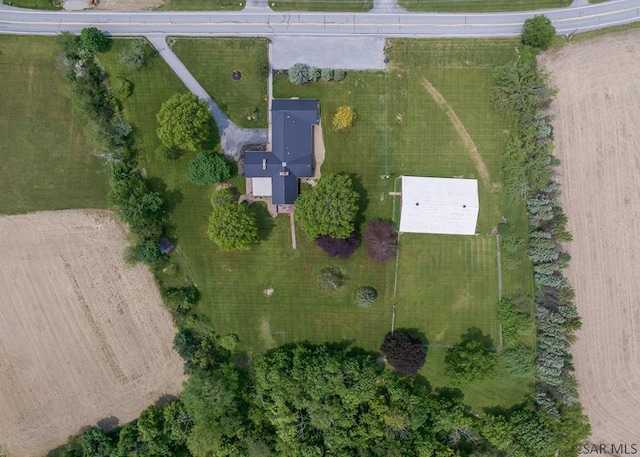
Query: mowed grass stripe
(45, 159)
(447, 284)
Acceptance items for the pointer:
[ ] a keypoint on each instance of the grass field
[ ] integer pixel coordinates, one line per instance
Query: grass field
(46, 162)
(202, 5)
(36, 4)
(400, 130)
(212, 64)
(321, 5)
(480, 6)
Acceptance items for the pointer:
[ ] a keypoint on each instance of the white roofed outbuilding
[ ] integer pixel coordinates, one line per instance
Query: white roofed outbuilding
(439, 205)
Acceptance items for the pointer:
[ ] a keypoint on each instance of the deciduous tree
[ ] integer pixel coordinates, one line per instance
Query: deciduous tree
(538, 32)
(330, 208)
(471, 360)
(341, 248)
(185, 122)
(232, 227)
(405, 351)
(380, 240)
(93, 40)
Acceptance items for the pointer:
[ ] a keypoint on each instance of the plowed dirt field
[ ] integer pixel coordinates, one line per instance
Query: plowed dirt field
(83, 338)
(597, 131)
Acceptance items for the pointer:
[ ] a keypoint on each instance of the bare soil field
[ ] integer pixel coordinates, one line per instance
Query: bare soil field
(84, 339)
(598, 141)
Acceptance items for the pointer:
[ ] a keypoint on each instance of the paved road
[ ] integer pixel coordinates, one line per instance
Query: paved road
(250, 22)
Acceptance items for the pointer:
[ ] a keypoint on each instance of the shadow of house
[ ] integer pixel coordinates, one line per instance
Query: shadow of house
(276, 173)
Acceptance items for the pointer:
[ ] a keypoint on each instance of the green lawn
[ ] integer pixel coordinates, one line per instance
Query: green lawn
(212, 63)
(46, 162)
(480, 6)
(321, 5)
(202, 5)
(36, 4)
(446, 284)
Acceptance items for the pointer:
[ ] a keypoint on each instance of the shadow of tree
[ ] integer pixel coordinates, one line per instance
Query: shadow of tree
(264, 221)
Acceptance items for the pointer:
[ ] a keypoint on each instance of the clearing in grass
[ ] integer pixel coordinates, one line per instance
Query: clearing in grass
(46, 160)
(270, 295)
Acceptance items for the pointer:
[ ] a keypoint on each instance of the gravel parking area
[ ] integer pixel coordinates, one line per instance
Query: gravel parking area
(348, 53)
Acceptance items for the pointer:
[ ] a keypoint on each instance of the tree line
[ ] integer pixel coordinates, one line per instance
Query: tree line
(316, 400)
(522, 94)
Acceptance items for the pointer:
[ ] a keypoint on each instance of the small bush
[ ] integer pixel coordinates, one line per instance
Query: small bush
(314, 74)
(327, 74)
(122, 86)
(514, 323)
(228, 342)
(341, 248)
(332, 278)
(208, 169)
(299, 73)
(344, 118)
(181, 299)
(520, 360)
(223, 196)
(365, 296)
(339, 75)
(404, 351)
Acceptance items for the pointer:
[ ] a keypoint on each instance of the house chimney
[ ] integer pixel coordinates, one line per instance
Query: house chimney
(264, 164)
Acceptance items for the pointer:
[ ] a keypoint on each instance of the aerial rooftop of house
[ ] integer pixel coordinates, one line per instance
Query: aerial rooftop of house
(276, 173)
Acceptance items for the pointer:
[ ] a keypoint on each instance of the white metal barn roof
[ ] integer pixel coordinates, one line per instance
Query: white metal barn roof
(439, 205)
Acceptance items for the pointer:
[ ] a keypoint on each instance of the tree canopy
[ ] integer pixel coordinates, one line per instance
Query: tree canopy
(93, 40)
(330, 208)
(538, 32)
(405, 351)
(232, 227)
(185, 122)
(472, 359)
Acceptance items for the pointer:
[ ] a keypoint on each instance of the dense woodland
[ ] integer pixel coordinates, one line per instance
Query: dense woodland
(335, 399)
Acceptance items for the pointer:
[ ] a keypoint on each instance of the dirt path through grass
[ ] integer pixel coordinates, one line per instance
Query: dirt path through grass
(462, 132)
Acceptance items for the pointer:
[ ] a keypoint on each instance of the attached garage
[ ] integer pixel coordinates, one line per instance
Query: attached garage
(439, 205)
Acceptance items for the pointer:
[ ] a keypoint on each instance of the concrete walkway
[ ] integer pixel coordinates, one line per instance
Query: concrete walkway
(232, 137)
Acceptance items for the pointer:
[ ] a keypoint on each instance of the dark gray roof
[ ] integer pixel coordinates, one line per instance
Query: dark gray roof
(292, 148)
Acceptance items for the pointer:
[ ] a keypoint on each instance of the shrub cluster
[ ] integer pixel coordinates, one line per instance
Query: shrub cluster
(208, 169)
(301, 73)
(181, 299)
(136, 204)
